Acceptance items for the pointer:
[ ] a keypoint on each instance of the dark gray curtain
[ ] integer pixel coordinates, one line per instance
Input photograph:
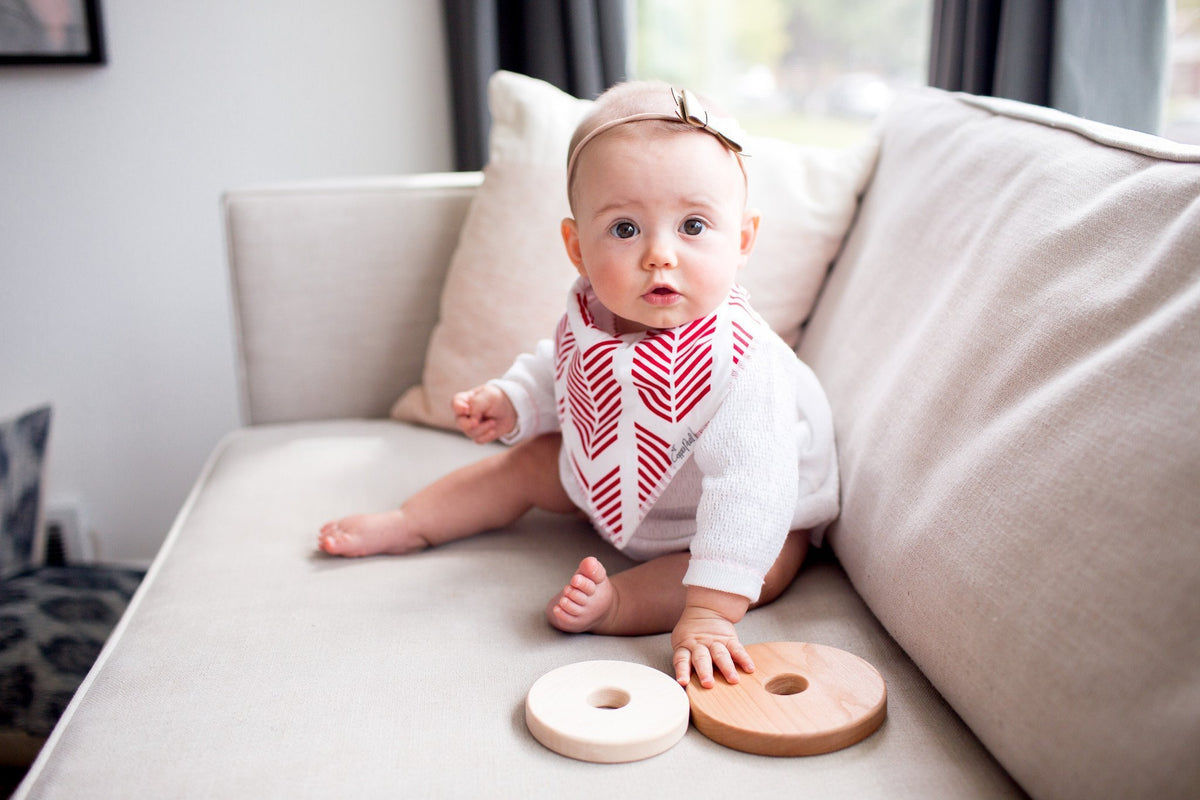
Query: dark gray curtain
(577, 45)
(993, 47)
(1100, 59)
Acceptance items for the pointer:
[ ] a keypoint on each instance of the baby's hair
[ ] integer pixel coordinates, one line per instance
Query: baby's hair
(652, 103)
(622, 100)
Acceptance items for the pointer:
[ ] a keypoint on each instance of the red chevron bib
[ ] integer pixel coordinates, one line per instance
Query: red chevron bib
(633, 406)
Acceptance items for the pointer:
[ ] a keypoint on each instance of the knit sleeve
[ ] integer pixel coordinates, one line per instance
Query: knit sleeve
(751, 457)
(529, 385)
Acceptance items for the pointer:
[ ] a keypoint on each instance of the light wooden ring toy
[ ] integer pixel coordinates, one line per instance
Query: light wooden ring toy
(802, 699)
(607, 711)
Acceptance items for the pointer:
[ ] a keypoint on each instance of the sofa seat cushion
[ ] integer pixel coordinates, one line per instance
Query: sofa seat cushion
(1009, 345)
(251, 665)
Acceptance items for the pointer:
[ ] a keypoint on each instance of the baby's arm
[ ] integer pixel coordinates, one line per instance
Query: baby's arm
(705, 637)
(749, 456)
(484, 413)
(529, 386)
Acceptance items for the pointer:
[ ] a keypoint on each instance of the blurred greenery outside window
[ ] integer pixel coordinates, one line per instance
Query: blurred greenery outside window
(810, 71)
(1182, 115)
(819, 71)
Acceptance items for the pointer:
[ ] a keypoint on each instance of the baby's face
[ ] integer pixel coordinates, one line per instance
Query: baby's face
(660, 226)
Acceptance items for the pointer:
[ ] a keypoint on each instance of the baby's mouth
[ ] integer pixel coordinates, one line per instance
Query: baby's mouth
(661, 295)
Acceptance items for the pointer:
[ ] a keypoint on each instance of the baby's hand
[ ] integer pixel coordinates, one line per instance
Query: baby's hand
(705, 636)
(484, 413)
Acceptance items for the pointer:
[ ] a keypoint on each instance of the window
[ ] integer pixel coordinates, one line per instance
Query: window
(1182, 113)
(819, 71)
(816, 71)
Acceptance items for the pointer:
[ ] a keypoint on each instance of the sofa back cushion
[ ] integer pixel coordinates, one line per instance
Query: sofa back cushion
(335, 287)
(1010, 342)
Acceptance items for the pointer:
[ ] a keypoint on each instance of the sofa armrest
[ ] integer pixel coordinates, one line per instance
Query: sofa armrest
(336, 288)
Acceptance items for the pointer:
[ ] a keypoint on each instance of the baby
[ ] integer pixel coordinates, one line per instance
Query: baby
(665, 408)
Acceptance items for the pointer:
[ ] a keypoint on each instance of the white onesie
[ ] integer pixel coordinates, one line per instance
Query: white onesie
(763, 465)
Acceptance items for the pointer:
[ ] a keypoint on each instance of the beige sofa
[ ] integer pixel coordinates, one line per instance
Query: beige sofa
(1010, 341)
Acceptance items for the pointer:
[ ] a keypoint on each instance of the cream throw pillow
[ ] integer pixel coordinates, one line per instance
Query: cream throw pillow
(509, 276)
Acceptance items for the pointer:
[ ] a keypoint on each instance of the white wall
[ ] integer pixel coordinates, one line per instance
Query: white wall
(114, 301)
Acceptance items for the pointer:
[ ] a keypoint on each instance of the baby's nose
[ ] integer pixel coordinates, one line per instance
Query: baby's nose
(659, 254)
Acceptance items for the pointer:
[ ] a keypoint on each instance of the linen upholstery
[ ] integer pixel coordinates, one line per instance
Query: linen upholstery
(252, 666)
(509, 276)
(248, 665)
(335, 289)
(1011, 347)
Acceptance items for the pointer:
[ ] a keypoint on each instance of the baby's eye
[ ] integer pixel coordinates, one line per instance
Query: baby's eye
(624, 230)
(693, 227)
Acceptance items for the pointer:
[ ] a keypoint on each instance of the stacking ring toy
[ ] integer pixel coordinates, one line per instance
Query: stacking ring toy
(607, 711)
(802, 699)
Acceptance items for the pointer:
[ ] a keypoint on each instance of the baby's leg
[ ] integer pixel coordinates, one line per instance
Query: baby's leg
(486, 495)
(642, 600)
(650, 597)
(783, 572)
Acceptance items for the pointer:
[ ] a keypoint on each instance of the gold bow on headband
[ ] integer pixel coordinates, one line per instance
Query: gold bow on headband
(690, 111)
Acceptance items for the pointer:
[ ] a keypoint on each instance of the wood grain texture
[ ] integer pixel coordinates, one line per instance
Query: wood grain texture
(802, 699)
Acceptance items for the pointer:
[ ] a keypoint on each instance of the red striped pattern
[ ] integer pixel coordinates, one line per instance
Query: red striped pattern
(564, 346)
(672, 369)
(739, 298)
(667, 385)
(654, 458)
(584, 311)
(605, 495)
(594, 397)
(741, 337)
(741, 341)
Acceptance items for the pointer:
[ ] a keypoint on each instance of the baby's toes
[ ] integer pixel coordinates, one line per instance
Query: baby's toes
(576, 598)
(581, 587)
(331, 538)
(592, 570)
(569, 606)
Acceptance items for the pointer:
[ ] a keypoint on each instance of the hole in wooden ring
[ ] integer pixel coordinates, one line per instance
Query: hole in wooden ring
(609, 698)
(788, 683)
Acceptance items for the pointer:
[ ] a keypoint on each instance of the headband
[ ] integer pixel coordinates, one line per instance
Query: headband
(688, 111)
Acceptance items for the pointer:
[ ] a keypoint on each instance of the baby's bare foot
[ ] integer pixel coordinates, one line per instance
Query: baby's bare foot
(586, 602)
(369, 534)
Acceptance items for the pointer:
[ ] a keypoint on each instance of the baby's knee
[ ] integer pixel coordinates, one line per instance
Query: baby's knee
(783, 572)
(537, 453)
(535, 464)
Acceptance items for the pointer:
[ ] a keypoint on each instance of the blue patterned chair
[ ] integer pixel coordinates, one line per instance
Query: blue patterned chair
(54, 617)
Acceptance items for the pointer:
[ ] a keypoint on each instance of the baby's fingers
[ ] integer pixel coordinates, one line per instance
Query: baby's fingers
(724, 661)
(461, 404)
(740, 656)
(478, 431)
(683, 666)
(485, 433)
(700, 660)
(726, 658)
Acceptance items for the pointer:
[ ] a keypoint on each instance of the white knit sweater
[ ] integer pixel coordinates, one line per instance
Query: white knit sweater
(765, 465)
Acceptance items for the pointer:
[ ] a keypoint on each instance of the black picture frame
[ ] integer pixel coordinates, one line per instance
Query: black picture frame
(32, 32)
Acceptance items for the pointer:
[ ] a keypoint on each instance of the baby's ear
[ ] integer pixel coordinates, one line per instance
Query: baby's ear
(570, 235)
(749, 233)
